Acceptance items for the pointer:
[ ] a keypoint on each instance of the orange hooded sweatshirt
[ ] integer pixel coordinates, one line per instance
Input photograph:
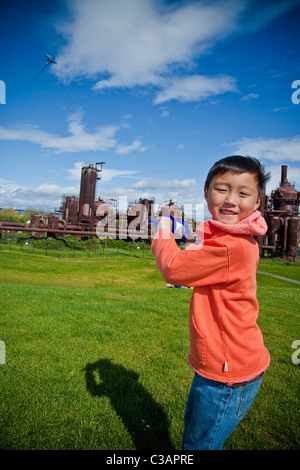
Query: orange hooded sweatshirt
(226, 343)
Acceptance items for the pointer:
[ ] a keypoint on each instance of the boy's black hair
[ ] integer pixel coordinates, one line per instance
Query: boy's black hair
(238, 164)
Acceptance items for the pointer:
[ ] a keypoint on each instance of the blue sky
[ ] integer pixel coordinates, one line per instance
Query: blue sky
(158, 90)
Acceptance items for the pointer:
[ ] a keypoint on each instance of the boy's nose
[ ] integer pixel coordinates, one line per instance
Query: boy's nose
(230, 199)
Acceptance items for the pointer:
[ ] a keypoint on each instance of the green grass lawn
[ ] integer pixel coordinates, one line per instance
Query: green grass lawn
(280, 267)
(96, 357)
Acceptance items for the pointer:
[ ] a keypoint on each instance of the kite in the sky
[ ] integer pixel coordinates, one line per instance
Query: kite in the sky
(50, 60)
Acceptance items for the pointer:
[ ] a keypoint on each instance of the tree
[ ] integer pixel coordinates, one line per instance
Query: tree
(9, 215)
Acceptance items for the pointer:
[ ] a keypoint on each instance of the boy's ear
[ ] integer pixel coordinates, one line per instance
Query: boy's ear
(258, 202)
(205, 192)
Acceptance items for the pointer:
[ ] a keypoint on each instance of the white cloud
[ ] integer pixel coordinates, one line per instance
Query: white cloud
(78, 140)
(4, 181)
(281, 108)
(195, 88)
(249, 97)
(75, 172)
(286, 149)
(258, 14)
(130, 43)
(46, 196)
(135, 42)
(159, 184)
(49, 196)
(107, 174)
(164, 112)
(274, 153)
(136, 145)
(139, 43)
(293, 175)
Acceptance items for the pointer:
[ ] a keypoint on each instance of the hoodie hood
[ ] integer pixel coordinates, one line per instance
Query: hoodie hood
(255, 224)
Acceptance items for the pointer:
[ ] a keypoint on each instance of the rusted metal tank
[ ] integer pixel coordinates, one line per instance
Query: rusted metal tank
(172, 208)
(89, 175)
(138, 219)
(281, 212)
(70, 210)
(286, 197)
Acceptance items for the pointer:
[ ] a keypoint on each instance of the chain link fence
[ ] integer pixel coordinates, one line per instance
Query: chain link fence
(71, 248)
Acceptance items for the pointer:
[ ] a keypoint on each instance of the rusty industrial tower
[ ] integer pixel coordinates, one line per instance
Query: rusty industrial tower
(80, 216)
(281, 212)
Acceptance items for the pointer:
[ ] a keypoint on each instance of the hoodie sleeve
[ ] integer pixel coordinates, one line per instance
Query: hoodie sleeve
(191, 268)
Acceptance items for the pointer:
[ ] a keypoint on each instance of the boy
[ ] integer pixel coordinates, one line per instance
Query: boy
(226, 345)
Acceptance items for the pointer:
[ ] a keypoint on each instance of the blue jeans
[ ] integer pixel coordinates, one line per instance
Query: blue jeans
(213, 410)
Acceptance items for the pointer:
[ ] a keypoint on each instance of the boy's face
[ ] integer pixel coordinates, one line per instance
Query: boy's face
(231, 197)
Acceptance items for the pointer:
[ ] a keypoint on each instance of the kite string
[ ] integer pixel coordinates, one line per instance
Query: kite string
(41, 70)
(79, 105)
(51, 60)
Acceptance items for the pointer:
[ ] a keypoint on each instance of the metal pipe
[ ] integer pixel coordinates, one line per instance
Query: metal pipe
(283, 174)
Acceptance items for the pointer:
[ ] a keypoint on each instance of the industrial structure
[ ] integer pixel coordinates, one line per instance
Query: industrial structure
(281, 212)
(85, 216)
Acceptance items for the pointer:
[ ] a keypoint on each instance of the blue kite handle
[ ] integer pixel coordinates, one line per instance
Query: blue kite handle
(156, 221)
(181, 227)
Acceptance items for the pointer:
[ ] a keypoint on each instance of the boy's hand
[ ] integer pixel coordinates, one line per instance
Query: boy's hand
(180, 229)
(166, 223)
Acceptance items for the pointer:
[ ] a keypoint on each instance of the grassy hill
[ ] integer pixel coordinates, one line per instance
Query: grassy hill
(96, 356)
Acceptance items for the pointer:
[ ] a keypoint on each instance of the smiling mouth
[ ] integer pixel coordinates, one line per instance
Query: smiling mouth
(227, 212)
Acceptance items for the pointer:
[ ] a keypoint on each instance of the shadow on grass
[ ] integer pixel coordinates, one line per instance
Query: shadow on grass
(144, 419)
